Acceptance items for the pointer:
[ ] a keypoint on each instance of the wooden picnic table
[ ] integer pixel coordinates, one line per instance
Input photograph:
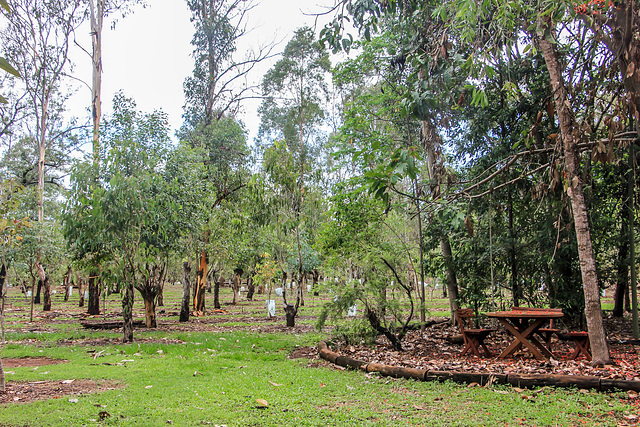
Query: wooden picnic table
(522, 324)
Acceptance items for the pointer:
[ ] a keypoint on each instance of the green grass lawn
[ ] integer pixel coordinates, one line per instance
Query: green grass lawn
(215, 378)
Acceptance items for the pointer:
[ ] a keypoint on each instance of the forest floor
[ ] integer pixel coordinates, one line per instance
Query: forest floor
(433, 349)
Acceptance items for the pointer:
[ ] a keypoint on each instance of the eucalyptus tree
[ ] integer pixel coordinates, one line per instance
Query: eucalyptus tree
(224, 155)
(293, 109)
(37, 41)
(213, 94)
(98, 11)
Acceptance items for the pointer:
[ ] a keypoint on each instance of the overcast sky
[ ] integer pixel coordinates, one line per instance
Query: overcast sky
(148, 54)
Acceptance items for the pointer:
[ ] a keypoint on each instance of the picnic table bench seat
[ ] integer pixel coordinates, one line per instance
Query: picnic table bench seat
(581, 340)
(473, 337)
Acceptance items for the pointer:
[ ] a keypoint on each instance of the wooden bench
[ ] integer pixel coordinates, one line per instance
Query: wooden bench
(581, 340)
(545, 333)
(473, 337)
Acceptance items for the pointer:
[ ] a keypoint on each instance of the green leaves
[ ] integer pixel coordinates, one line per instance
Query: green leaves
(5, 65)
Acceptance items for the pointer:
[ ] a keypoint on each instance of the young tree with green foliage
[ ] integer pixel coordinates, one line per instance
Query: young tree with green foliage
(137, 218)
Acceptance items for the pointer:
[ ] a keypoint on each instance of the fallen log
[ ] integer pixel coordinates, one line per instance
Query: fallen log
(481, 378)
(114, 324)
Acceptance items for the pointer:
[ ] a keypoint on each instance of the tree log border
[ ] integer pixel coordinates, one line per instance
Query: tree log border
(481, 378)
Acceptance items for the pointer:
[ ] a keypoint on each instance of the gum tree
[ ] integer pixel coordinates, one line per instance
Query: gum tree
(292, 112)
(213, 95)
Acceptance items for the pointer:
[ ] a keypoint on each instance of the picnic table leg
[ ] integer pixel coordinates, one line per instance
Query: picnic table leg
(521, 339)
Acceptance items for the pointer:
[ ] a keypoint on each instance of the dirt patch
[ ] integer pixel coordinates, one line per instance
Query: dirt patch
(23, 392)
(30, 362)
(304, 353)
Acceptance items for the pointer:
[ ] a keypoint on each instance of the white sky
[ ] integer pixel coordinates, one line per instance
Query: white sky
(148, 54)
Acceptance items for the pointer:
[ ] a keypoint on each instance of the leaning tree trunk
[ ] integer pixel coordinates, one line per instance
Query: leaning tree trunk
(127, 313)
(593, 308)
(186, 288)
(94, 294)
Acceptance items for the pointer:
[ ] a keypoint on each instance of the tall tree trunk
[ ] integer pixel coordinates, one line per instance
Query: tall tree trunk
(632, 242)
(3, 298)
(593, 309)
(160, 297)
(516, 290)
(216, 291)
(43, 282)
(94, 294)
(422, 291)
(149, 310)
(46, 305)
(33, 284)
(36, 299)
(251, 287)
(127, 313)
(80, 290)
(622, 265)
(316, 277)
(68, 283)
(237, 274)
(452, 282)
(186, 288)
(431, 142)
(41, 158)
(201, 283)
(301, 287)
(96, 18)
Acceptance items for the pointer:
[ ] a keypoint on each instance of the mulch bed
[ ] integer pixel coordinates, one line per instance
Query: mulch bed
(433, 350)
